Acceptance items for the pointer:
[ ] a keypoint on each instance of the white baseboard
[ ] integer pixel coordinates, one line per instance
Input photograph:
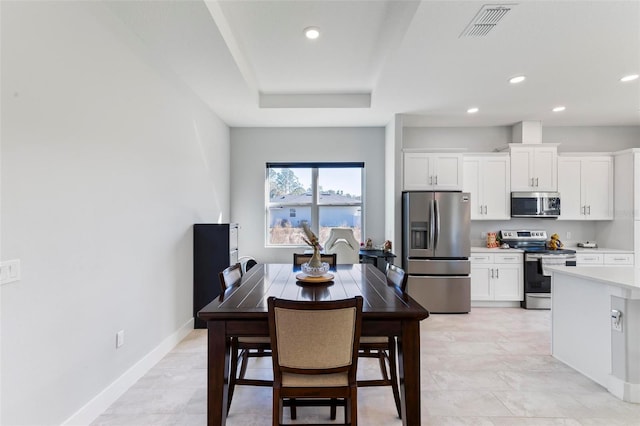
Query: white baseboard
(625, 391)
(92, 409)
(494, 304)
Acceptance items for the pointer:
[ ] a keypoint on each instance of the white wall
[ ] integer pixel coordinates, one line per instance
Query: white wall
(252, 148)
(487, 139)
(571, 139)
(106, 165)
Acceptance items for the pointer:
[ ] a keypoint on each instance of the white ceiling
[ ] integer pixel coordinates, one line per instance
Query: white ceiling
(401, 56)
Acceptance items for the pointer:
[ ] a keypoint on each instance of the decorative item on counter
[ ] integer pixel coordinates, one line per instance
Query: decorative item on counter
(492, 242)
(554, 243)
(368, 245)
(387, 245)
(312, 240)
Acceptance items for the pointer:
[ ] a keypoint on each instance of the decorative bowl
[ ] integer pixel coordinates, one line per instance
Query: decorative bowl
(315, 271)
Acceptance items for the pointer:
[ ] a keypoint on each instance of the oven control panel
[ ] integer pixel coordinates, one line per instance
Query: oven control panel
(524, 235)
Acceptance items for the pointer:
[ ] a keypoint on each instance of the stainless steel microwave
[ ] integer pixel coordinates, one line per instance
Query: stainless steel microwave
(535, 204)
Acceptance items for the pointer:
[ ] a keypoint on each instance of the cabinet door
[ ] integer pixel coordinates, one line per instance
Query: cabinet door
(416, 171)
(521, 173)
(507, 282)
(471, 184)
(481, 282)
(447, 172)
(545, 168)
(597, 188)
(496, 189)
(569, 187)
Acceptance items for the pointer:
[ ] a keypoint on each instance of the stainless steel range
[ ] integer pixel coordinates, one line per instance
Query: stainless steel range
(537, 257)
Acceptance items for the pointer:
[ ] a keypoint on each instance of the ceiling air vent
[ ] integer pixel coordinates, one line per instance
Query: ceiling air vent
(487, 17)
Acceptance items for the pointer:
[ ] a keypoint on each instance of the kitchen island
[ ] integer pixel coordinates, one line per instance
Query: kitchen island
(584, 334)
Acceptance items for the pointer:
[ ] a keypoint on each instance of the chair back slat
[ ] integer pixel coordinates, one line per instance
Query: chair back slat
(397, 276)
(319, 337)
(230, 276)
(300, 258)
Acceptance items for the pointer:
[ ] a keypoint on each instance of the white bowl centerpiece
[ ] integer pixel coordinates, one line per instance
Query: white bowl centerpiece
(315, 271)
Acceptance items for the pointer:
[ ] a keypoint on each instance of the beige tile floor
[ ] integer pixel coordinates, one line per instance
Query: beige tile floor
(489, 367)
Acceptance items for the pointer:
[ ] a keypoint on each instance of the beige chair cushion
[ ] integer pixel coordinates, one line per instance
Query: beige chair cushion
(315, 339)
(374, 339)
(254, 340)
(290, 380)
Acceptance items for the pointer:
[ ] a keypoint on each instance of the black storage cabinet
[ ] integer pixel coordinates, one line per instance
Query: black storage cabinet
(215, 247)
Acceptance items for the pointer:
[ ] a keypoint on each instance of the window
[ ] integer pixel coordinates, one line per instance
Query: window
(326, 195)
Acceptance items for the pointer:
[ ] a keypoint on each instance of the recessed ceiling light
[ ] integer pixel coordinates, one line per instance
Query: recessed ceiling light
(517, 79)
(312, 33)
(630, 77)
(473, 110)
(559, 109)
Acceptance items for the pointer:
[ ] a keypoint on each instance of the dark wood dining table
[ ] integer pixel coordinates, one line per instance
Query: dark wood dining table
(242, 311)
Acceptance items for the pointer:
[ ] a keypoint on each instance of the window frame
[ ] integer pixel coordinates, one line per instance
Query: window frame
(315, 204)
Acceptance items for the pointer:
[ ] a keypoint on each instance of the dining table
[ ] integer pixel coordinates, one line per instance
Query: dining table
(242, 311)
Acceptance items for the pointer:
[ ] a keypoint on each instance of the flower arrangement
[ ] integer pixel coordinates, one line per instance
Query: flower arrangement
(311, 239)
(315, 266)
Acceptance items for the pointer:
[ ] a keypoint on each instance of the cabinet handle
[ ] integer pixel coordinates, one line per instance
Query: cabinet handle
(497, 273)
(584, 210)
(533, 182)
(589, 213)
(480, 209)
(491, 272)
(430, 180)
(436, 179)
(537, 182)
(485, 209)
(509, 258)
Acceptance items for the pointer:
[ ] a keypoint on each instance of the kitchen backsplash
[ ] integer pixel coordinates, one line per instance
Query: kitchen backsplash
(577, 231)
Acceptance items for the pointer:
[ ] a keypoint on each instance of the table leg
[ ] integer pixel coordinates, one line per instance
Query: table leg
(409, 372)
(218, 373)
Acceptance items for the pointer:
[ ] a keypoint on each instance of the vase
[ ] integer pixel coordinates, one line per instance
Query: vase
(316, 260)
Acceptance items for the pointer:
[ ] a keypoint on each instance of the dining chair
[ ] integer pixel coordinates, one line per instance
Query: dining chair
(242, 348)
(315, 353)
(342, 242)
(300, 258)
(384, 347)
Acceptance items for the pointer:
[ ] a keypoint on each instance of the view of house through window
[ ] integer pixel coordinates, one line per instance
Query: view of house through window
(326, 195)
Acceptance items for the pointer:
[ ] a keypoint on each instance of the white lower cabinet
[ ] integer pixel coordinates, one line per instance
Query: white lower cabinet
(604, 259)
(496, 277)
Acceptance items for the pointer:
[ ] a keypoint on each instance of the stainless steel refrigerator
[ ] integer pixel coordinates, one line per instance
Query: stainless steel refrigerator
(436, 245)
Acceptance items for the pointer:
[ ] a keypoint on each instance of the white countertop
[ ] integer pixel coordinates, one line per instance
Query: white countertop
(598, 250)
(494, 250)
(621, 276)
(604, 250)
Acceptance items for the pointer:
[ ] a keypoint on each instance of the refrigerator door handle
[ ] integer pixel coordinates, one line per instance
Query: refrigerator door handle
(437, 223)
(432, 225)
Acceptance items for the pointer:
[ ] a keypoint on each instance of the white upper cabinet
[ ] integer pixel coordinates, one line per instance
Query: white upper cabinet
(585, 184)
(430, 171)
(534, 167)
(487, 179)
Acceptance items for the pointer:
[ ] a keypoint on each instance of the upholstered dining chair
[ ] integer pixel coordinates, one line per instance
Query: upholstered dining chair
(242, 348)
(342, 242)
(315, 353)
(384, 347)
(300, 258)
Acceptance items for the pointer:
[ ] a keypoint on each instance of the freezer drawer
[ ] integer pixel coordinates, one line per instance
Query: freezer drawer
(438, 267)
(441, 295)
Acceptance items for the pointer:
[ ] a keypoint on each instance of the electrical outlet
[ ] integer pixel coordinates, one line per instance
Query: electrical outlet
(119, 338)
(10, 271)
(483, 235)
(616, 320)
(568, 235)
